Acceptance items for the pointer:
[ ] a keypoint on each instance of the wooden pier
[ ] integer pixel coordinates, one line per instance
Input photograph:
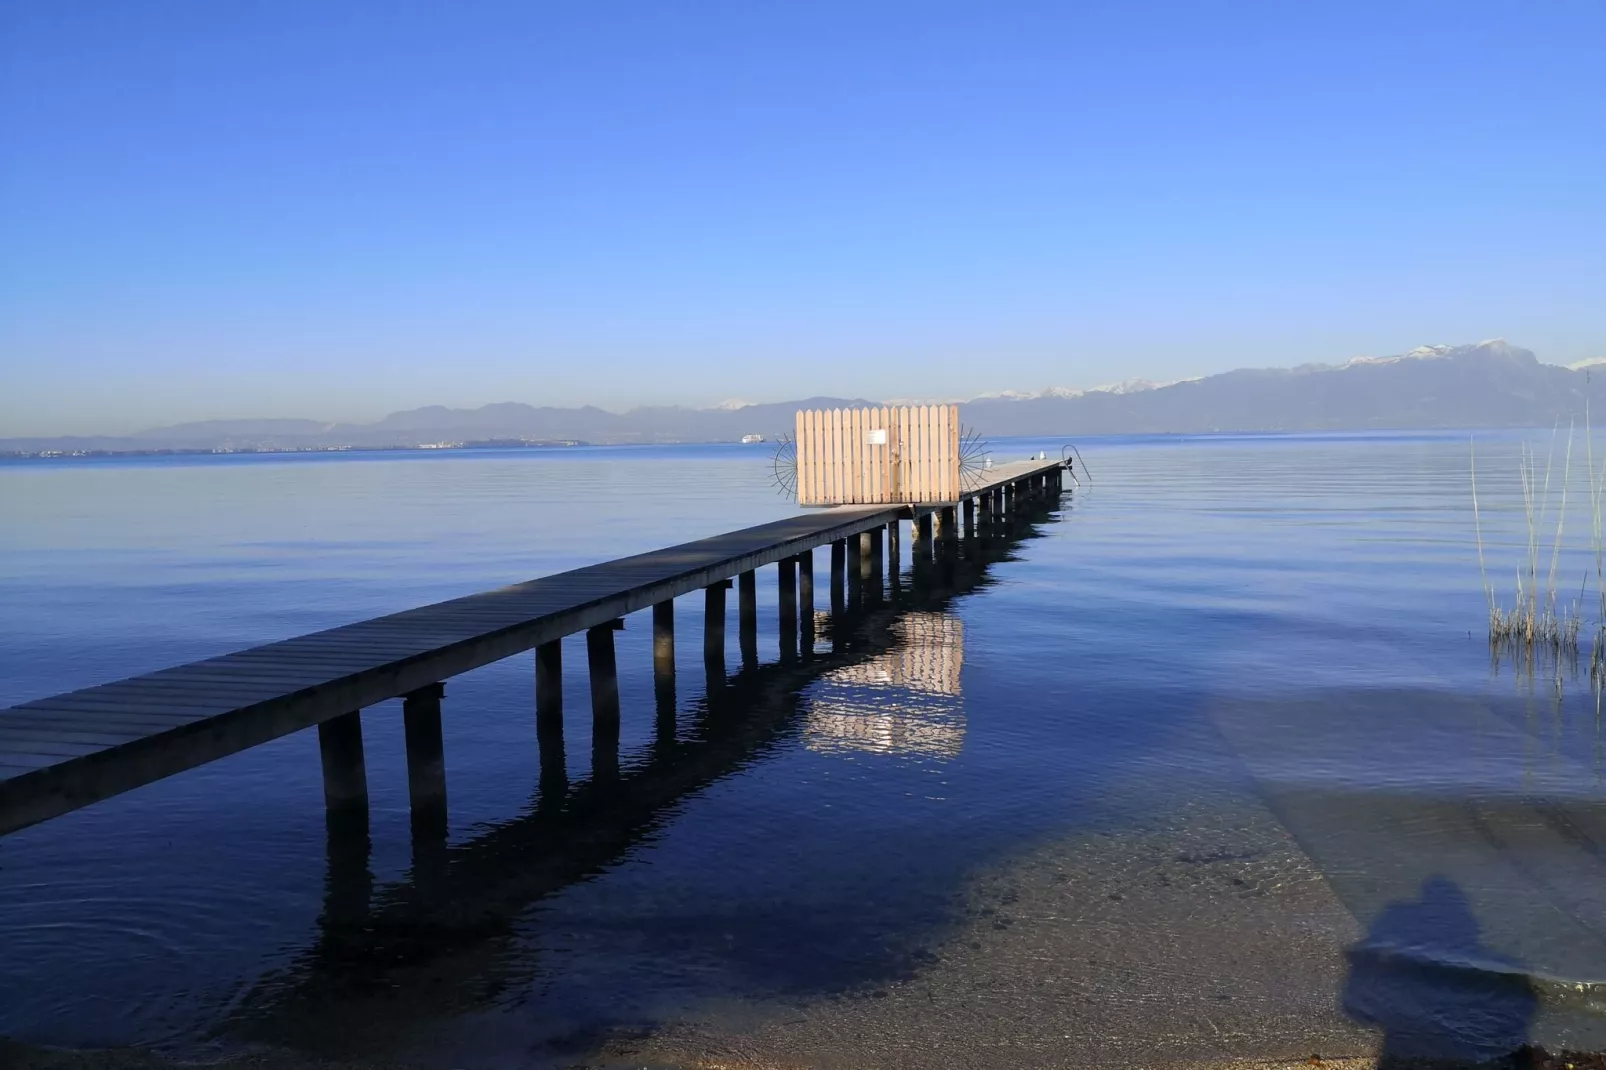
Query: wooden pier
(64, 752)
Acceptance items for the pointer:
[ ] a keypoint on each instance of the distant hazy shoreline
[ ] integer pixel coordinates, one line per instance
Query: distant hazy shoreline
(1488, 385)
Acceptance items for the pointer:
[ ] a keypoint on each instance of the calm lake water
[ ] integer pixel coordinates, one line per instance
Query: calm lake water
(1210, 759)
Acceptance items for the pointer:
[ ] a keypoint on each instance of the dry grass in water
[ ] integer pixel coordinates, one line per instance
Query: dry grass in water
(1538, 623)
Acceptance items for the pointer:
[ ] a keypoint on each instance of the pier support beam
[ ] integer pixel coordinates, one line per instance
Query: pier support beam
(554, 784)
(786, 590)
(604, 700)
(663, 670)
(862, 557)
(950, 528)
(877, 562)
(969, 508)
(663, 640)
(549, 688)
(426, 762)
(345, 776)
(839, 573)
(604, 670)
(747, 617)
(805, 600)
(856, 566)
(894, 556)
(714, 626)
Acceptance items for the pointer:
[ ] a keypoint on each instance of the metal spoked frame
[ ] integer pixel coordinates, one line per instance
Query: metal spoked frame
(783, 467)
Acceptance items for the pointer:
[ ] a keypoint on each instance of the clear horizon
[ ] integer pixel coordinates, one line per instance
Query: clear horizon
(231, 212)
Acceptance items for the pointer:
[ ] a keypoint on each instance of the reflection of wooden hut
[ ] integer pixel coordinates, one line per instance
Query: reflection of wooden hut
(928, 657)
(905, 701)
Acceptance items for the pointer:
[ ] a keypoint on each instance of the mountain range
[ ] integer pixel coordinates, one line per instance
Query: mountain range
(1489, 384)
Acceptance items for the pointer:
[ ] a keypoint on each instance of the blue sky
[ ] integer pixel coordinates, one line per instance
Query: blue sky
(337, 209)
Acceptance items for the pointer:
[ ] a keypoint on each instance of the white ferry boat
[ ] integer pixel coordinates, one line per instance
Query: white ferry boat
(748, 440)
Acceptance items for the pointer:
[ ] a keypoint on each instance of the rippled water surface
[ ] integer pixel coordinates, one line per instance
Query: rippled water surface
(1210, 758)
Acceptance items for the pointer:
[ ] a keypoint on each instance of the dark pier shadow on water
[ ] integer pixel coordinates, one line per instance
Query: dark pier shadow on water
(1441, 998)
(448, 941)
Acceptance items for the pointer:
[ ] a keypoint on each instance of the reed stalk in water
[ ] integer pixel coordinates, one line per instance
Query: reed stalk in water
(1536, 621)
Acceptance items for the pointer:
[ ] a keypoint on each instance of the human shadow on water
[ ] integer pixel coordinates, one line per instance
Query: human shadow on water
(1441, 998)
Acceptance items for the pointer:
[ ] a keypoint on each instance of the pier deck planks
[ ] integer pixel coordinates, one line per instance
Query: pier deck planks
(66, 751)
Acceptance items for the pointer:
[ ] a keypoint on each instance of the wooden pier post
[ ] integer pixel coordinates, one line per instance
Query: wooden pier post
(554, 783)
(839, 572)
(950, 528)
(805, 602)
(604, 700)
(663, 640)
(747, 617)
(877, 562)
(923, 537)
(345, 776)
(604, 670)
(969, 508)
(858, 569)
(786, 583)
(663, 670)
(986, 500)
(549, 688)
(894, 557)
(714, 624)
(426, 761)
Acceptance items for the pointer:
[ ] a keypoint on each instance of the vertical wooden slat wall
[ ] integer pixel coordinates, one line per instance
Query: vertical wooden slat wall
(950, 452)
(819, 455)
(918, 461)
(852, 448)
(804, 492)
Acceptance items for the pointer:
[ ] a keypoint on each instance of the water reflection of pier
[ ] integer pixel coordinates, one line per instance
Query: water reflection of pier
(444, 940)
(904, 700)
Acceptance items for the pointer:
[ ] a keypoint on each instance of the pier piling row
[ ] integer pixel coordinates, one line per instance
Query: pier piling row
(64, 752)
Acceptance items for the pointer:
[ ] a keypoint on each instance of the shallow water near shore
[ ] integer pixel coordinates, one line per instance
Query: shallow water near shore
(1209, 760)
